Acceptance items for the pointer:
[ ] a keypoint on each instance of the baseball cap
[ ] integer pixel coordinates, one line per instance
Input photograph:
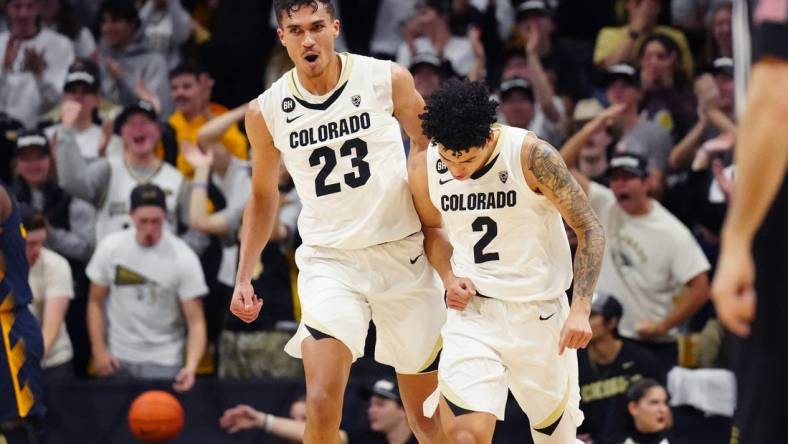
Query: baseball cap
(148, 194)
(530, 7)
(722, 65)
(30, 140)
(624, 72)
(385, 388)
(425, 58)
(140, 106)
(587, 109)
(606, 305)
(516, 84)
(85, 72)
(629, 162)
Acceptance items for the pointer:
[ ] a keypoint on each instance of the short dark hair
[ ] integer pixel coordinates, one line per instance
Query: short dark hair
(33, 219)
(187, 68)
(638, 390)
(290, 6)
(442, 7)
(459, 115)
(120, 9)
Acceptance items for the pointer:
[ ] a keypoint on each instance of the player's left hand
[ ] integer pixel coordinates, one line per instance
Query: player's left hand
(649, 329)
(576, 332)
(184, 380)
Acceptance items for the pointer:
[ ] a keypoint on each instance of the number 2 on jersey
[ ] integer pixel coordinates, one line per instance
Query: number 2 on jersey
(490, 229)
(326, 156)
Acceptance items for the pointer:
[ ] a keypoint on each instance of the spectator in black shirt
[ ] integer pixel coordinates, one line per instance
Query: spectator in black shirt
(667, 98)
(607, 368)
(70, 220)
(651, 417)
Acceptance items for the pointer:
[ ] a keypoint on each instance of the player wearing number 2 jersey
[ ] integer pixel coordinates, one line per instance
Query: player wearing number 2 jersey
(498, 194)
(334, 120)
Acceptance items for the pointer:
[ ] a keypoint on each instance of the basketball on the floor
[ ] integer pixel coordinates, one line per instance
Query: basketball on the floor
(155, 416)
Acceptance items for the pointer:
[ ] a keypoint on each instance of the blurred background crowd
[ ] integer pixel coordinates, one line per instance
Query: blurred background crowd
(97, 97)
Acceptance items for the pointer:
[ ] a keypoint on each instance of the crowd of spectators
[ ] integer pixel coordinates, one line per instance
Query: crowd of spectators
(122, 137)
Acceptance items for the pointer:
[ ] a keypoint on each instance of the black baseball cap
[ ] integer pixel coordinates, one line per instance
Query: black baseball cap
(531, 7)
(516, 84)
(607, 305)
(142, 107)
(624, 72)
(385, 388)
(32, 140)
(425, 59)
(629, 162)
(722, 65)
(83, 72)
(148, 194)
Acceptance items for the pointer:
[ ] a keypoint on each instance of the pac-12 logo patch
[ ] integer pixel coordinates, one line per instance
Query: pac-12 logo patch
(356, 100)
(288, 104)
(503, 175)
(440, 167)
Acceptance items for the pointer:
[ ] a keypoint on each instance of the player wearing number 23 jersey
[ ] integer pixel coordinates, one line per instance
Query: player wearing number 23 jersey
(344, 152)
(492, 198)
(336, 122)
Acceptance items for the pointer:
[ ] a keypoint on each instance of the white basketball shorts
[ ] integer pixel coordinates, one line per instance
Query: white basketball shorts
(393, 284)
(494, 346)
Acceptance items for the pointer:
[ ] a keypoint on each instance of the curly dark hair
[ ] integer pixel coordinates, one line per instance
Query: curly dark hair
(290, 6)
(459, 115)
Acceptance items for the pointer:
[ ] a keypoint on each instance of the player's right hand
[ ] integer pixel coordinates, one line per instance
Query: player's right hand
(105, 363)
(245, 304)
(459, 292)
(241, 417)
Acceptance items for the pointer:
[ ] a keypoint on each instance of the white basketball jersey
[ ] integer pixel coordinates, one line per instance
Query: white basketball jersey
(113, 214)
(344, 152)
(508, 240)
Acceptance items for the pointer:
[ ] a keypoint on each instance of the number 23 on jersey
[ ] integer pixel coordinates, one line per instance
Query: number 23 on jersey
(326, 158)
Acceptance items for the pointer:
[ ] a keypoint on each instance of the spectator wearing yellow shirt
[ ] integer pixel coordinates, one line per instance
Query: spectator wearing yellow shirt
(190, 88)
(621, 44)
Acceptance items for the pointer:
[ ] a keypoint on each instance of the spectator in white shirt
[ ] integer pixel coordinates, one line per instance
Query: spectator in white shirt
(82, 86)
(653, 265)
(51, 283)
(34, 63)
(520, 109)
(146, 295)
(428, 32)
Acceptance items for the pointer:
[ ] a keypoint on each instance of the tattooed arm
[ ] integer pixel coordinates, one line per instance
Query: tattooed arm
(546, 173)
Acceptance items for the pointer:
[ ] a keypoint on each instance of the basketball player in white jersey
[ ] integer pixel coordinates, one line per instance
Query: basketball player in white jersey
(335, 122)
(498, 193)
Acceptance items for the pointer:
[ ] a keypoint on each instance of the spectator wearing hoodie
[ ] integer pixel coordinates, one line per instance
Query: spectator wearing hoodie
(129, 69)
(166, 26)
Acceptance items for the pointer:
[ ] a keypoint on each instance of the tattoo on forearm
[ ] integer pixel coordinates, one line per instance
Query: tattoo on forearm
(554, 177)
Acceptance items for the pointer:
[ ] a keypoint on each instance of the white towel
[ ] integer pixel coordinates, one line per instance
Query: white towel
(712, 391)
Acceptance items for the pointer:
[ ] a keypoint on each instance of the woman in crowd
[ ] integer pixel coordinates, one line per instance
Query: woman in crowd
(667, 98)
(652, 418)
